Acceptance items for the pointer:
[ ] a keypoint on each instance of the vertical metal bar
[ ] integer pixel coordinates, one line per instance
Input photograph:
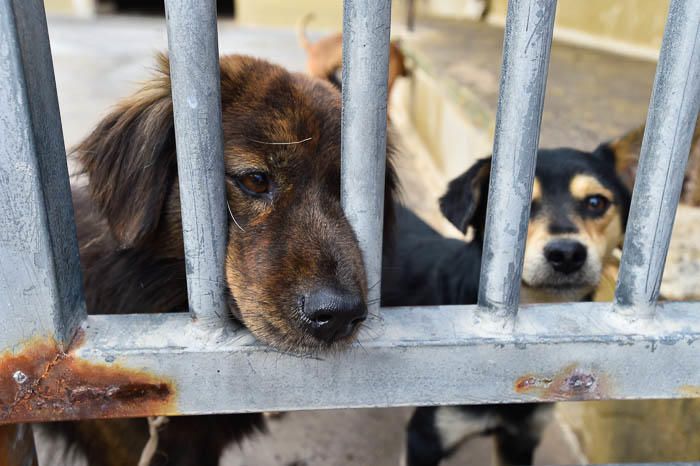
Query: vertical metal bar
(40, 280)
(526, 47)
(17, 445)
(366, 28)
(196, 89)
(673, 111)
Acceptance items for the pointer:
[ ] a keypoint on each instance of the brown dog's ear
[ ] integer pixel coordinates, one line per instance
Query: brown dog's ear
(130, 160)
(624, 152)
(464, 203)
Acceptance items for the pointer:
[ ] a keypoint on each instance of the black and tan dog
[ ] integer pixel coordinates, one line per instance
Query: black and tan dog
(578, 216)
(293, 268)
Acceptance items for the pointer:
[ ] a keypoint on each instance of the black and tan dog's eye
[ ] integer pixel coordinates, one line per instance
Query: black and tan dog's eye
(254, 183)
(596, 204)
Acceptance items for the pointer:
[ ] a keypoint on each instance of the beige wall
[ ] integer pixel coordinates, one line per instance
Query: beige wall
(627, 24)
(328, 13)
(635, 431)
(71, 7)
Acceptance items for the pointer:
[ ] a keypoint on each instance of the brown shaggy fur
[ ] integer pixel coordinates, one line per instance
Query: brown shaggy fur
(294, 238)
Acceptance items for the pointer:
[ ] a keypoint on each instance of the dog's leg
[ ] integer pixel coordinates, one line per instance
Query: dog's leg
(435, 433)
(517, 439)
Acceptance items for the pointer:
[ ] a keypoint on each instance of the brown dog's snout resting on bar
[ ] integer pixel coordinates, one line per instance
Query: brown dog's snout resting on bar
(293, 269)
(294, 273)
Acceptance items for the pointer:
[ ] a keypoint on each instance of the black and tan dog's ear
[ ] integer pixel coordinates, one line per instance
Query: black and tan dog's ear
(624, 152)
(130, 160)
(464, 203)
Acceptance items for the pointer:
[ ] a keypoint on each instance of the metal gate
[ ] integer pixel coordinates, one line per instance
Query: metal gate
(59, 363)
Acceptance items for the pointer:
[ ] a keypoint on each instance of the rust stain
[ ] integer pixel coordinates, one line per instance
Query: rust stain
(690, 391)
(571, 383)
(43, 383)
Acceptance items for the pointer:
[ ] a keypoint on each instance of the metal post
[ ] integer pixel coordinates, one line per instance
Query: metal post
(366, 27)
(673, 111)
(196, 89)
(40, 280)
(526, 47)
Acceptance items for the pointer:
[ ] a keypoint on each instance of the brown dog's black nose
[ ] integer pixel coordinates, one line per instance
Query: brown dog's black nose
(331, 315)
(565, 255)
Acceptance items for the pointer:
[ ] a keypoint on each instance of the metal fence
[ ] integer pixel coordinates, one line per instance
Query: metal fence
(169, 364)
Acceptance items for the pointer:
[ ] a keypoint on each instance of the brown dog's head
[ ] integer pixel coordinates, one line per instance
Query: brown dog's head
(293, 267)
(577, 218)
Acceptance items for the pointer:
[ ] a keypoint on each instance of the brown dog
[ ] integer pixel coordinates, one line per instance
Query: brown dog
(325, 57)
(293, 268)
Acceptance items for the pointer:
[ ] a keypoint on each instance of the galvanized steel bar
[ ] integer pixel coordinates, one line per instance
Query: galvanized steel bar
(40, 280)
(366, 27)
(526, 47)
(423, 356)
(196, 89)
(673, 111)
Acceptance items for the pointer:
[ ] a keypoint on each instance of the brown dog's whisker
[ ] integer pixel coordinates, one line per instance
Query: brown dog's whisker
(232, 217)
(132, 253)
(280, 143)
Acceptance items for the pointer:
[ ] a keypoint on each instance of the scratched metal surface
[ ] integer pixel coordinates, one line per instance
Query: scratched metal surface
(673, 111)
(415, 356)
(196, 89)
(366, 26)
(527, 44)
(40, 281)
(419, 356)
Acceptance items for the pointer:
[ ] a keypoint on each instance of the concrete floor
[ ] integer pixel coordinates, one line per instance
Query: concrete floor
(99, 61)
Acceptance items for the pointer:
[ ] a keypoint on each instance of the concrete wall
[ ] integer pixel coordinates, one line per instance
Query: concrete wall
(328, 13)
(635, 431)
(632, 27)
(71, 7)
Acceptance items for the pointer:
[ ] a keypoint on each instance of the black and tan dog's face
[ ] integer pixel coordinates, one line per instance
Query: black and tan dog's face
(293, 266)
(577, 218)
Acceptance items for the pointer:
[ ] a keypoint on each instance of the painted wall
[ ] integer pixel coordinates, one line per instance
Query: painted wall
(328, 13)
(632, 26)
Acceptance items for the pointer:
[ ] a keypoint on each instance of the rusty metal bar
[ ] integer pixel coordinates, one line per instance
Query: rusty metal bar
(366, 27)
(17, 445)
(673, 111)
(526, 47)
(196, 83)
(40, 280)
(424, 356)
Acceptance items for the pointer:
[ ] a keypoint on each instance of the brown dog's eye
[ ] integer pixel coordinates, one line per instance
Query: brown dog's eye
(255, 183)
(596, 204)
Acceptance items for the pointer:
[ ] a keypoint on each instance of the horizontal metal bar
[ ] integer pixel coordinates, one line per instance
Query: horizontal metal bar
(673, 111)
(652, 464)
(419, 356)
(526, 47)
(194, 68)
(40, 280)
(366, 27)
